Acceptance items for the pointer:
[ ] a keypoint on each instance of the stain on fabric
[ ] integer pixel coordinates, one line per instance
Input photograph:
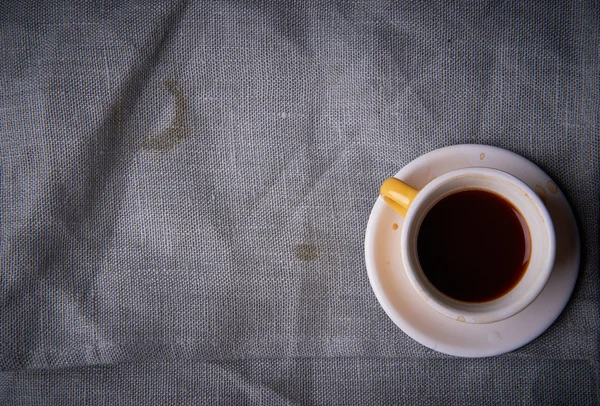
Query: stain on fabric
(482, 156)
(177, 130)
(552, 187)
(306, 252)
(394, 226)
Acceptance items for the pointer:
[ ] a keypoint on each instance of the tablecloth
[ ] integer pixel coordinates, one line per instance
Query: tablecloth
(185, 188)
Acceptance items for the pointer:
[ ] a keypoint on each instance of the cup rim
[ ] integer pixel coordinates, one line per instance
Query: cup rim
(465, 311)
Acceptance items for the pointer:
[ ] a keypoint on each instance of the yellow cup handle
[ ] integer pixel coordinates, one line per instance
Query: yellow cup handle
(398, 195)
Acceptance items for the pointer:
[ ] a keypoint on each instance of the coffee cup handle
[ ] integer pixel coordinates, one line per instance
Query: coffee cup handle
(398, 195)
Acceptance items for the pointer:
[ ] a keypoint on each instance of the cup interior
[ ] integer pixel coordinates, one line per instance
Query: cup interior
(522, 199)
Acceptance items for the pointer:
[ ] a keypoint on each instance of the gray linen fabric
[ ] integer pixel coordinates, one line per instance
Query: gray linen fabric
(323, 380)
(185, 189)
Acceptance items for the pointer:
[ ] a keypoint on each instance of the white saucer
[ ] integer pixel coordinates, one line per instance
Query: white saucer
(434, 330)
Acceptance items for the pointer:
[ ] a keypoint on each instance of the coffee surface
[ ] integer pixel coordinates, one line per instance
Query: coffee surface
(474, 246)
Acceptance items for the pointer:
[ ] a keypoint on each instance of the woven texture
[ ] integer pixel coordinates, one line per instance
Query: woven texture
(185, 189)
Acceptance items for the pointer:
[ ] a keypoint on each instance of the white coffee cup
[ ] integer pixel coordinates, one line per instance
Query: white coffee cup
(413, 205)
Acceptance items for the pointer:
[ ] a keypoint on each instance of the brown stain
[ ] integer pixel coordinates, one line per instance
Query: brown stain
(177, 130)
(481, 156)
(552, 187)
(395, 226)
(461, 319)
(539, 190)
(306, 252)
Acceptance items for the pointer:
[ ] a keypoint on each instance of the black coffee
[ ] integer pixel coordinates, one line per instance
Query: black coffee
(474, 246)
